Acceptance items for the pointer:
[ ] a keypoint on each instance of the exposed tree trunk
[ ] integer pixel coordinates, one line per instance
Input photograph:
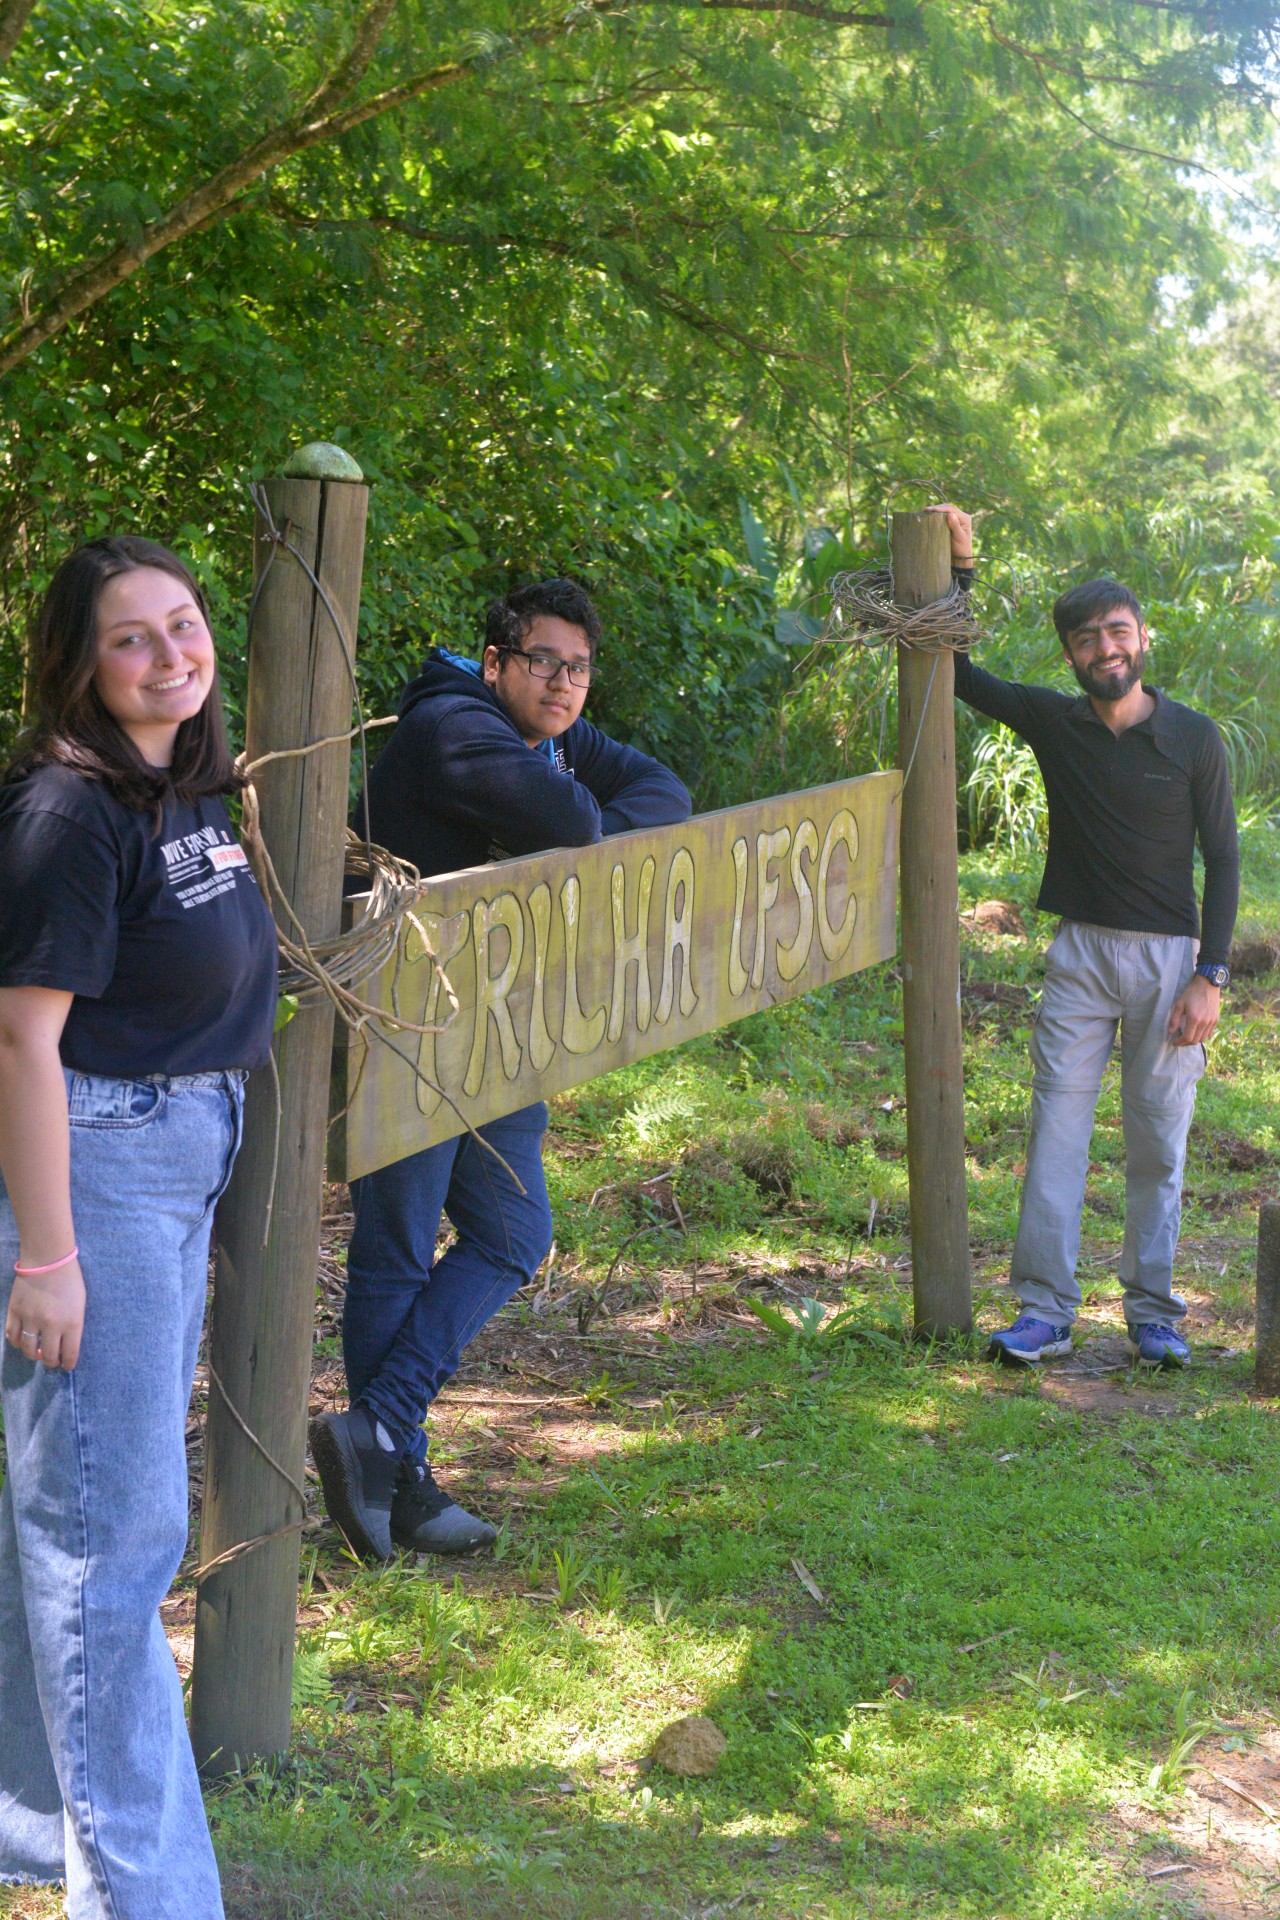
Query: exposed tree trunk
(13, 18)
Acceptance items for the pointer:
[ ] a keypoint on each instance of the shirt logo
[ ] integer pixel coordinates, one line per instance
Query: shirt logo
(202, 865)
(222, 857)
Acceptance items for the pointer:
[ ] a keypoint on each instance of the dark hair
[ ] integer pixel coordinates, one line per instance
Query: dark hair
(507, 622)
(1089, 601)
(73, 728)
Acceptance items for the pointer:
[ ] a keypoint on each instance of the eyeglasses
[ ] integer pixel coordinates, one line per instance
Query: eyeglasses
(545, 666)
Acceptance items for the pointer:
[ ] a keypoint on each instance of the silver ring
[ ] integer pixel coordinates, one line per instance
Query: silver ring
(29, 1333)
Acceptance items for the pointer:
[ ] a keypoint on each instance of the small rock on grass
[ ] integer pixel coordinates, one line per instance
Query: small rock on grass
(690, 1747)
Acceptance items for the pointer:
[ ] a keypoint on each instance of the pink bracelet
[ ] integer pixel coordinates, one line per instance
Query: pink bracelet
(53, 1265)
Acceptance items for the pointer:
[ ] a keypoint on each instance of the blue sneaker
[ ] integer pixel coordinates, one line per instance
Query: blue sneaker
(1030, 1339)
(1156, 1345)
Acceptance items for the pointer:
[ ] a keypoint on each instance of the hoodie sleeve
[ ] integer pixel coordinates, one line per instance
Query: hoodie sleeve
(632, 790)
(472, 767)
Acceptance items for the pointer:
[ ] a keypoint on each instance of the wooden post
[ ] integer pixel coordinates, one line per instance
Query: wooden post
(1266, 1360)
(942, 1286)
(261, 1325)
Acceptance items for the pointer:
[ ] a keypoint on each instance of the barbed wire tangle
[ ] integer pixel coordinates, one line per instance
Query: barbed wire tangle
(864, 613)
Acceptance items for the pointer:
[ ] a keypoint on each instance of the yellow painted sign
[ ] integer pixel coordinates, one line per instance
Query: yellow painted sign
(570, 963)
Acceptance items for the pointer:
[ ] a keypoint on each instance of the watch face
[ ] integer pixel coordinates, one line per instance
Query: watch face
(1217, 976)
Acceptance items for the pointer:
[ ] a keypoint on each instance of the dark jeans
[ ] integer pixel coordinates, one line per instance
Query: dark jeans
(408, 1316)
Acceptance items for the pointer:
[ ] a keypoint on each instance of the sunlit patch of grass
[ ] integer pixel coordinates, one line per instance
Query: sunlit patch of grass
(1017, 1592)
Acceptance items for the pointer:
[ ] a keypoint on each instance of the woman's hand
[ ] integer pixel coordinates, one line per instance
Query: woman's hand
(46, 1316)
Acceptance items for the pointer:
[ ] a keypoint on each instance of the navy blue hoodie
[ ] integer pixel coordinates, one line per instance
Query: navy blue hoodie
(456, 785)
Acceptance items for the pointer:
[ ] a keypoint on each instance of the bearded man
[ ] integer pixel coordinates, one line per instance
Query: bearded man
(1133, 779)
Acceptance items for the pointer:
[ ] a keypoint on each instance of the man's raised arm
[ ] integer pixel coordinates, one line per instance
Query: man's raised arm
(1004, 700)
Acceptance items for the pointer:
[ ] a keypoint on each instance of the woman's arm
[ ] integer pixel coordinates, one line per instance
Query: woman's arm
(46, 1311)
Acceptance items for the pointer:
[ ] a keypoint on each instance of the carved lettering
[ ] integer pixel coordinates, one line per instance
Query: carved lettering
(631, 947)
(769, 846)
(835, 940)
(492, 988)
(580, 960)
(445, 940)
(677, 936)
(794, 957)
(580, 1033)
(541, 1045)
(737, 972)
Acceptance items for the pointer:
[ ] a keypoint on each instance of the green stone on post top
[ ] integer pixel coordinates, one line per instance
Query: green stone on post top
(321, 460)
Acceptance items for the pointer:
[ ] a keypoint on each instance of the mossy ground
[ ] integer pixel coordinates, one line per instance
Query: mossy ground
(1021, 1577)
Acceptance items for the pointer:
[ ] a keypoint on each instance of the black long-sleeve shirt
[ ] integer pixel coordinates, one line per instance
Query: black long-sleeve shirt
(456, 784)
(1125, 810)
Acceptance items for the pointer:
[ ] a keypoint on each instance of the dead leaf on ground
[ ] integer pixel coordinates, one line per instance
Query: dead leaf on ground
(807, 1581)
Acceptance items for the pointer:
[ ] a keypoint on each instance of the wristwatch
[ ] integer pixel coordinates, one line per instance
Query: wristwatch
(1215, 973)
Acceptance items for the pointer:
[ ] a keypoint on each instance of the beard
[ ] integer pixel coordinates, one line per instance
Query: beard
(1111, 686)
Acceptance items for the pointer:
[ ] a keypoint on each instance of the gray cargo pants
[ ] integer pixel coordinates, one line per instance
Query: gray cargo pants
(1098, 979)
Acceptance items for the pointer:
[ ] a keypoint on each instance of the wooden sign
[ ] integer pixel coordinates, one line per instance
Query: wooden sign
(570, 963)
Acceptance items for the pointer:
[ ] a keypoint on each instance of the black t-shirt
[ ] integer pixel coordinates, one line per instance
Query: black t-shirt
(164, 938)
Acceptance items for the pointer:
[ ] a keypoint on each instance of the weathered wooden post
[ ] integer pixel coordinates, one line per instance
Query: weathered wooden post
(1266, 1351)
(942, 1286)
(261, 1326)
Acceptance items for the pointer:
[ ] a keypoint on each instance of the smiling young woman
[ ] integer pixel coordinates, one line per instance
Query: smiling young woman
(137, 985)
(155, 658)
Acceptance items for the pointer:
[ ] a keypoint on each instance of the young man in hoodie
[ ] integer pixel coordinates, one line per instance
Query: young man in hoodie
(488, 760)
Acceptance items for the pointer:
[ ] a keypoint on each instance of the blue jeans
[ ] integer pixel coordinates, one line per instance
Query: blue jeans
(98, 1785)
(408, 1317)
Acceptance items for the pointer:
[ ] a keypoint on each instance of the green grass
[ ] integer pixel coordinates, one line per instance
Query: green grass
(1032, 1596)
(934, 1514)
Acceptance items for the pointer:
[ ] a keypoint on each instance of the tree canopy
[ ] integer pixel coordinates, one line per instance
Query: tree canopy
(641, 290)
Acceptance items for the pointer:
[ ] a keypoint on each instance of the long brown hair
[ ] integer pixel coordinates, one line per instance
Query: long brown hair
(73, 728)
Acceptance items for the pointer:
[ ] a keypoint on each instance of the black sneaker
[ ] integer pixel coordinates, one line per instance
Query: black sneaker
(424, 1520)
(358, 1474)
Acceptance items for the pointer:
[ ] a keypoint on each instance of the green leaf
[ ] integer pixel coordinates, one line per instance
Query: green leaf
(776, 1322)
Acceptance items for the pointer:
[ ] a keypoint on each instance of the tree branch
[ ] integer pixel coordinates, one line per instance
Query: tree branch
(350, 71)
(13, 18)
(321, 118)
(315, 122)
(1042, 60)
(809, 9)
(1146, 153)
(677, 305)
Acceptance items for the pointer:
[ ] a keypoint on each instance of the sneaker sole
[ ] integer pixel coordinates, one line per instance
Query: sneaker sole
(342, 1481)
(1170, 1362)
(1054, 1350)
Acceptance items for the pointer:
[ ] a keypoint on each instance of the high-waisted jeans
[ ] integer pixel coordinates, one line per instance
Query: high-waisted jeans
(98, 1785)
(408, 1316)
